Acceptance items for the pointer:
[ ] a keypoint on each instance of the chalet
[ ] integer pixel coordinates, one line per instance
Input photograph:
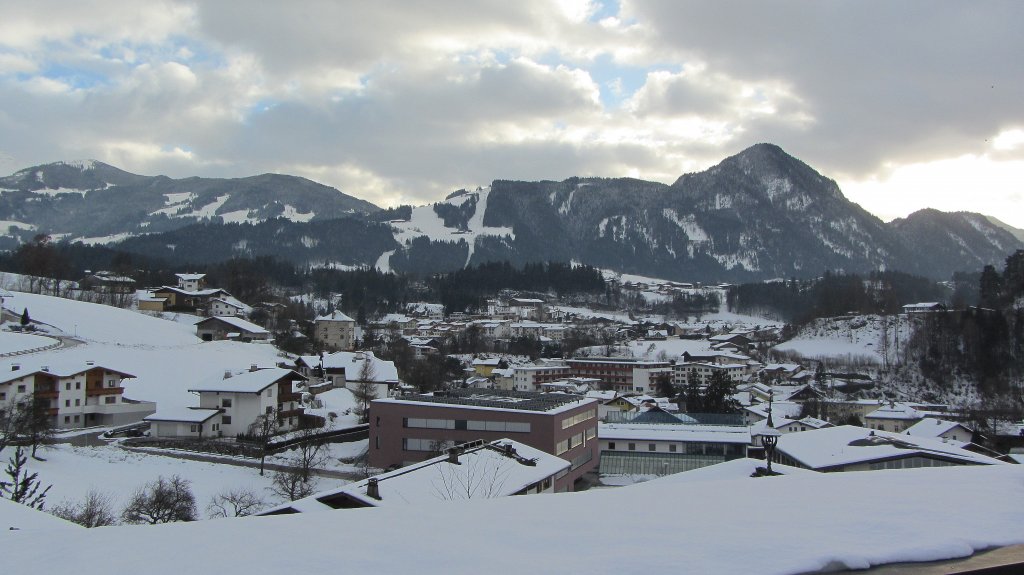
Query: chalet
(177, 299)
(524, 470)
(349, 369)
(335, 331)
(227, 327)
(77, 393)
(228, 306)
(242, 398)
(106, 282)
(894, 417)
(924, 307)
(191, 282)
(852, 448)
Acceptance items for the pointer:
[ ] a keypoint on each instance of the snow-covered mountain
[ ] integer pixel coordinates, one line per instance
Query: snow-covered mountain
(757, 215)
(93, 202)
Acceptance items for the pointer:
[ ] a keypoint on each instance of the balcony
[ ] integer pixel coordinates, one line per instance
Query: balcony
(290, 413)
(94, 391)
(46, 393)
(286, 397)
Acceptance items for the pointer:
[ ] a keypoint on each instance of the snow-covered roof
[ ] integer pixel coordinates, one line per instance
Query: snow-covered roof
(182, 414)
(930, 427)
(895, 411)
(352, 362)
(736, 469)
(191, 277)
(790, 409)
(334, 316)
(487, 361)
(667, 432)
(484, 471)
(848, 444)
(987, 504)
(58, 367)
(602, 395)
(239, 323)
(496, 400)
(248, 381)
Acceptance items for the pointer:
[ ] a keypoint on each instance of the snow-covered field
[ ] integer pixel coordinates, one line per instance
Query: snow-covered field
(16, 342)
(858, 337)
(165, 356)
(858, 520)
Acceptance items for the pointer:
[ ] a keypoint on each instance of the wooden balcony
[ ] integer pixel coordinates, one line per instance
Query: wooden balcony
(51, 411)
(297, 412)
(286, 397)
(95, 391)
(46, 393)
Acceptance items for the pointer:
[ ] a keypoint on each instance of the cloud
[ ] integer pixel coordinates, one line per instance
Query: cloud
(404, 102)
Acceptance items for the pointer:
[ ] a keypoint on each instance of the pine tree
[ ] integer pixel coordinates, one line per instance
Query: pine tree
(23, 486)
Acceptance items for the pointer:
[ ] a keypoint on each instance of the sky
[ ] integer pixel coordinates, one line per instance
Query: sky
(906, 105)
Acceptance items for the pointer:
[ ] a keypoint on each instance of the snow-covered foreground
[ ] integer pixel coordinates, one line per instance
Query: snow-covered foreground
(854, 520)
(73, 471)
(165, 356)
(11, 343)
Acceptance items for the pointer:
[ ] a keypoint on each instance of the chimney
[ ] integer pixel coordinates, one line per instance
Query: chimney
(90, 362)
(227, 374)
(453, 456)
(45, 368)
(372, 489)
(253, 367)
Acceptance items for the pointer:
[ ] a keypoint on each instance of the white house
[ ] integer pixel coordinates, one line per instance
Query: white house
(244, 397)
(948, 431)
(185, 422)
(191, 282)
(78, 393)
(348, 369)
(228, 306)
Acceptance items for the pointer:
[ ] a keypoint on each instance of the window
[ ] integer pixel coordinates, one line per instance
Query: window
(225, 419)
(78, 402)
(216, 427)
(378, 421)
(611, 445)
(672, 448)
(110, 399)
(651, 447)
(270, 392)
(78, 385)
(225, 402)
(67, 419)
(67, 403)
(67, 386)
(632, 447)
(21, 389)
(76, 419)
(111, 383)
(193, 428)
(561, 447)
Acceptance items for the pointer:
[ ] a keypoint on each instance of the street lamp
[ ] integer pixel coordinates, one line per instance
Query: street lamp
(770, 435)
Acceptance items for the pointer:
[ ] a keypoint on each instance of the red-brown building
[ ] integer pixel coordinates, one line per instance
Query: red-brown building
(413, 428)
(623, 375)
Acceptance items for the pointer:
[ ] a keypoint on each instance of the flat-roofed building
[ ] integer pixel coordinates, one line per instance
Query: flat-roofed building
(413, 428)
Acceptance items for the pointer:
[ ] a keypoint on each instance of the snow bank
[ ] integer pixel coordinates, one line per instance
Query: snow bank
(858, 520)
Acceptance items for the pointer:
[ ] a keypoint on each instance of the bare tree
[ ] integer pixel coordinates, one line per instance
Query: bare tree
(234, 503)
(23, 486)
(262, 429)
(472, 479)
(161, 501)
(289, 484)
(97, 510)
(311, 452)
(365, 390)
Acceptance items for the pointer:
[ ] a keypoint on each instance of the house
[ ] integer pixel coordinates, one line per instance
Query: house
(852, 448)
(350, 369)
(530, 377)
(413, 428)
(192, 301)
(924, 307)
(191, 281)
(894, 417)
(78, 393)
(227, 327)
(948, 431)
(475, 470)
(242, 398)
(624, 375)
(485, 366)
(335, 331)
(663, 447)
(106, 282)
(228, 306)
(191, 422)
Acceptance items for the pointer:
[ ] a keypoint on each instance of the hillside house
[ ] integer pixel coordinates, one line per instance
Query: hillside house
(242, 398)
(106, 282)
(227, 327)
(78, 393)
(191, 282)
(335, 331)
(350, 369)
